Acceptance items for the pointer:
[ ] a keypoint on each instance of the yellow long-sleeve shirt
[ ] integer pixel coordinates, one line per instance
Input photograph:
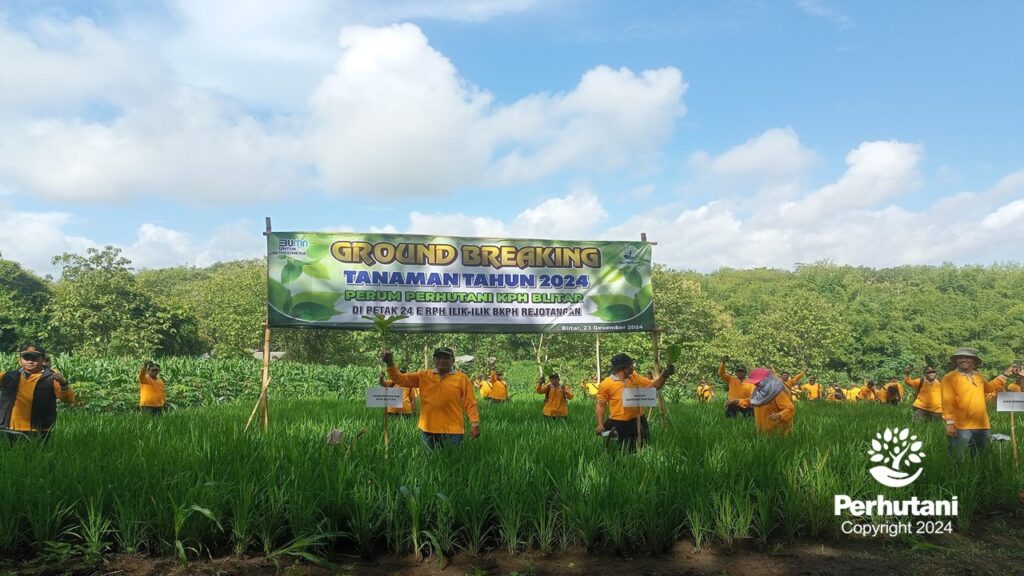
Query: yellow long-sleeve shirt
(21, 412)
(555, 399)
(407, 395)
(963, 399)
(705, 393)
(813, 391)
(443, 401)
(867, 393)
(737, 390)
(590, 388)
(852, 394)
(1013, 387)
(795, 379)
(499, 390)
(485, 389)
(610, 393)
(781, 405)
(929, 394)
(151, 390)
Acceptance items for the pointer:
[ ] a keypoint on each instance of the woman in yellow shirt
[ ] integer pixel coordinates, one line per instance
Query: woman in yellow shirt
(773, 409)
(555, 397)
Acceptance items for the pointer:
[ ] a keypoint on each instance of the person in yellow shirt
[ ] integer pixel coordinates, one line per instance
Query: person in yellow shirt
(928, 404)
(622, 420)
(891, 392)
(589, 387)
(555, 397)
(963, 401)
(852, 393)
(813, 389)
(738, 401)
(867, 392)
(152, 390)
(499, 389)
(1018, 385)
(791, 382)
(29, 394)
(835, 394)
(483, 386)
(705, 393)
(446, 399)
(773, 408)
(409, 400)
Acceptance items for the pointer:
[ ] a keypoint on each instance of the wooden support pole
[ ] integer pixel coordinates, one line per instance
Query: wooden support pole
(1013, 440)
(262, 404)
(597, 353)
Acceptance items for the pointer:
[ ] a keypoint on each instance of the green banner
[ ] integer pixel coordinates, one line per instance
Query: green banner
(447, 284)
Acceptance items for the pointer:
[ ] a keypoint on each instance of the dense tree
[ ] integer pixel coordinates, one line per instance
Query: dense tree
(23, 298)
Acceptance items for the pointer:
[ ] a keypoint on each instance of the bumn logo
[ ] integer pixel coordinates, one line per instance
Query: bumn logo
(893, 450)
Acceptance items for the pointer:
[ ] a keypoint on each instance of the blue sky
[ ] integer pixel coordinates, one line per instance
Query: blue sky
(735, 133)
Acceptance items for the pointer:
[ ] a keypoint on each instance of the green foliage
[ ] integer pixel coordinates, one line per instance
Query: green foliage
(23, 297)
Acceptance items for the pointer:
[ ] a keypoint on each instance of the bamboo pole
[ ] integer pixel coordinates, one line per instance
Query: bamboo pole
(261, 404)
(656, 349)
(597, 352)
(1013, 440)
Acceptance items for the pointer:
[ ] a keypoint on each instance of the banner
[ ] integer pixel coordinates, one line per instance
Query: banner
(447, 284)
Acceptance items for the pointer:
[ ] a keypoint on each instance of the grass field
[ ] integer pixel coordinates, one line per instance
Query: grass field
(192, 484)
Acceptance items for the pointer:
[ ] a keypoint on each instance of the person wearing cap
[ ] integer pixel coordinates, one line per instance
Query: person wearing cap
(622, 419)
(773, 409)
(152, 391)
(705, 393)
(446, 399)
(409, 396)
(812, 389)
(29, 394)
(928, 404)
(963, 401)
(739, 390)
(555, 396)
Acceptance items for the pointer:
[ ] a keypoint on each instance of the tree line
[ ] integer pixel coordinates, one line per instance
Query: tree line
(843, 323)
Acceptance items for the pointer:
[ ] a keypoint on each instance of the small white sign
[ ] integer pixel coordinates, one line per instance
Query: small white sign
(1010, 402)
(636, 397)
(381, 397)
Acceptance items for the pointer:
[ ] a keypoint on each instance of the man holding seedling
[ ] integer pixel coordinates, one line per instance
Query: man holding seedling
(928, 404)
(152, 394)
(28, 396)
(446, 398)
(738, 401)
(963, 401)
(623, 420)
(773, 409)
(555, 396)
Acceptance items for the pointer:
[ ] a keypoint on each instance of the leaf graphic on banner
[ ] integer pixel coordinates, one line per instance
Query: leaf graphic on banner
(615, 313)
(317, 271)
(291, 271)
(312, 311)
(634, 277)
(280, 297)
(316, 252)
(326, 299)
(643, 298)
(608, 300)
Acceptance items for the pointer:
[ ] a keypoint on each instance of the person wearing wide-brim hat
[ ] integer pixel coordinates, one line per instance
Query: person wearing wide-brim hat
(622, 419)
(446, 399)
(29, 394)
(773, 409)
(928, 403)
(963, 401)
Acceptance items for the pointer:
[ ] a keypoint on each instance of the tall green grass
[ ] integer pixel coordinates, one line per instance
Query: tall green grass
(192, 484)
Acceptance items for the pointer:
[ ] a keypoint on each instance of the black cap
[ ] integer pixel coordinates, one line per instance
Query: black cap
(620, 361)
(31, 349)
(444, 352)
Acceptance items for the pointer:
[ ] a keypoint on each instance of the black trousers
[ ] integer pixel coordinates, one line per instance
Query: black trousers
(732, 410)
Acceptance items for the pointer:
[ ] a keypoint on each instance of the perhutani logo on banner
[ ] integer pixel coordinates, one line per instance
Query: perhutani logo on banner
(898, 461)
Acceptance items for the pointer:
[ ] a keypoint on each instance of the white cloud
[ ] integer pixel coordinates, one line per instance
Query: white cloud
(190, 147)
(457, 224)
(816, 8)
(573, 216)
(396, 119)
(33, 238)
(774, 155)
(61, 66)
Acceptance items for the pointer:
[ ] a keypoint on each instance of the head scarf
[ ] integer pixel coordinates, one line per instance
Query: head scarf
(767, 390)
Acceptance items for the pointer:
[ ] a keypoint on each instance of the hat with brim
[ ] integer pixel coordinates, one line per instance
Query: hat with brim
(758, 374)
(965, 353)
(32, 349)
(621, 361)
(443, 352)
